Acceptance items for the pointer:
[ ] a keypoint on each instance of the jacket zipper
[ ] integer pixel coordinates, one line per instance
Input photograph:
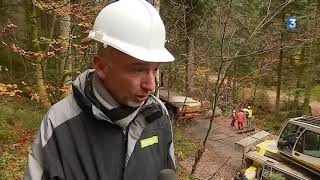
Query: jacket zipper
(124, 149)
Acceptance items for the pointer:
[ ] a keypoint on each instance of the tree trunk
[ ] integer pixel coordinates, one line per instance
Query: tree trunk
(279, 70)
(300, 68)
(51, 32)
(235, 85)
(189, 46)
(28, 9)
(38, 69)
(205, 88)
(189, 64)
(309, 68)
(256, 83)
(279, 73)
(309, 76)
(66, 61)
(297, 90)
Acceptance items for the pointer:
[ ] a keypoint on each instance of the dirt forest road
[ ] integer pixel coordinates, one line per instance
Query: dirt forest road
(220, 153)
(315, 108)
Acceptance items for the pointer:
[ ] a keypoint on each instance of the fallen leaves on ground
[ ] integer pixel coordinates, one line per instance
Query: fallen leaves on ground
(14, 155)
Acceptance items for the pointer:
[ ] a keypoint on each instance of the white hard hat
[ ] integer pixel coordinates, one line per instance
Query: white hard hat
(133, 27)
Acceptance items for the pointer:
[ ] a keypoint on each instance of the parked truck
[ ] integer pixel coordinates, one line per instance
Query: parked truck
(293, 154)
(185, 108)
(178, 104)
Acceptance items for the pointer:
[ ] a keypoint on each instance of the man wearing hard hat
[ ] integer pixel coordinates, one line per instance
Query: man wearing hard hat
(110, 127)
(249, 117)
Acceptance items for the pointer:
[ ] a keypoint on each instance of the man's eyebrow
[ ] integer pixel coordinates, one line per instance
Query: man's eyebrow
(137, 64)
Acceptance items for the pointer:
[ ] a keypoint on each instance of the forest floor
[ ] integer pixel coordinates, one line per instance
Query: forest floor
(19, 120)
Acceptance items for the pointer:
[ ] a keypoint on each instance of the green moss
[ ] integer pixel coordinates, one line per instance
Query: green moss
(24, 110)
(15, 110)
(184, 146)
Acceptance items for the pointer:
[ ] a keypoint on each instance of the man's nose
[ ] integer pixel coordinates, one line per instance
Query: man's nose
(148, 82)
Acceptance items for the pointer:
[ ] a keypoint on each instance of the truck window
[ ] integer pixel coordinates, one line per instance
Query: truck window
(309, 144)
(288, 137)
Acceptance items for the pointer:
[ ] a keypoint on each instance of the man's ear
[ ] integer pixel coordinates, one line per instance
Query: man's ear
(100, 66)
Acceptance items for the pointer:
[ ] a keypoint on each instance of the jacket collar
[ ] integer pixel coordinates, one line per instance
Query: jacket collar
(98, 102)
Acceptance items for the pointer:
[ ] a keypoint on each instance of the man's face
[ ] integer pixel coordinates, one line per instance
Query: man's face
(130, 81)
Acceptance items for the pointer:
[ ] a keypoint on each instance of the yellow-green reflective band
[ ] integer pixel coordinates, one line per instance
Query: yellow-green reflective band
(149, 141)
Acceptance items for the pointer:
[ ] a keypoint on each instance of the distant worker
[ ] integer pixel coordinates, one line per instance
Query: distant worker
(240, 118)
(245, 111)
(234, 117)
(249, 117)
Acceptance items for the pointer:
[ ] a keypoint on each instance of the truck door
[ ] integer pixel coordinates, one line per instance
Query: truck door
(307, 149)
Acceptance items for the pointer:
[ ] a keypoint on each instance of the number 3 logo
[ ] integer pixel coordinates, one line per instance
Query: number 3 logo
(291, 22)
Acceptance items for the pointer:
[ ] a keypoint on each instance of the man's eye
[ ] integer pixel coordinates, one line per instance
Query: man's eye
(139, 69)
(155, 70)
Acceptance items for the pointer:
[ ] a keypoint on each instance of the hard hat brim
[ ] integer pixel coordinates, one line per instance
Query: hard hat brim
(140, 53)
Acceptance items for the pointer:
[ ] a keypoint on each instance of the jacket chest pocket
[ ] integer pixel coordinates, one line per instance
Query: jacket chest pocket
(152, 147)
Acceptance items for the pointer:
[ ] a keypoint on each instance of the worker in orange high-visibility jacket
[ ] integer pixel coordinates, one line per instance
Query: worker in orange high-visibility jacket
(240, 119)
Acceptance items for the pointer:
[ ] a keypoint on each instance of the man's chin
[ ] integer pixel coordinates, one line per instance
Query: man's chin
(134, 104)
